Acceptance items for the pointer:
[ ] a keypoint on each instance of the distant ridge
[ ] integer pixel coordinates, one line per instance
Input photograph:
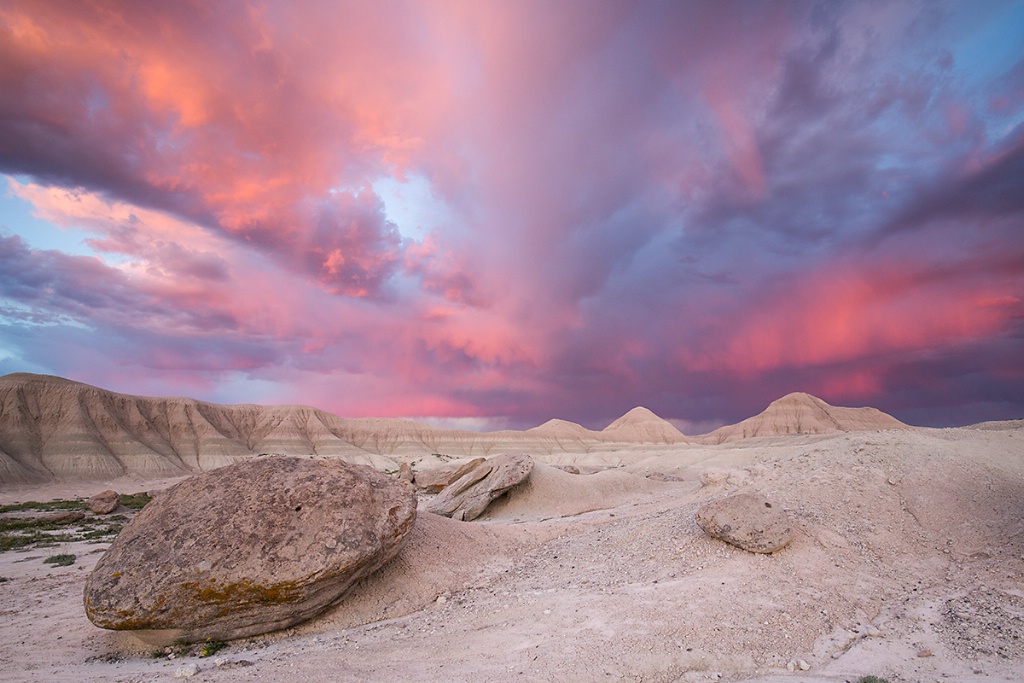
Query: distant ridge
(800, 413)
(57, 429)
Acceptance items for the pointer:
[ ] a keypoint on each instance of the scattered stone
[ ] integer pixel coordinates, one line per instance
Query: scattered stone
(104, 503)
(795, 664)
(225, 663)
(925, 653)
(713, 477)
(467, 498)
(63, 517)
(187, 671)
(405, 472)
(661, 476)
(748, 521)
(437, 478)
(571, 469)
(250, 548)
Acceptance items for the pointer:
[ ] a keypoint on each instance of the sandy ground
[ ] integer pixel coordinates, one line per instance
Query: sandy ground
(907, 563)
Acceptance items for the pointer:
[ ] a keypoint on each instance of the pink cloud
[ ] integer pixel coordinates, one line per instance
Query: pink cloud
(854, 309)
(647, 201)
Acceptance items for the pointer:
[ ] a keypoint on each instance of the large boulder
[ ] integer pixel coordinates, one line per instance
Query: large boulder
(435, 479)
(469, 496)
(250, 548)
(748, 521)
(104, 503)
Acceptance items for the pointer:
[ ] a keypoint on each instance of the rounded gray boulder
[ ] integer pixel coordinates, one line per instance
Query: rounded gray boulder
(250, 548)
(748, 521)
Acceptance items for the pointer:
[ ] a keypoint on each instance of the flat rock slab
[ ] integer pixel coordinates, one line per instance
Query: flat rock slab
(748, 521)
(250, 548)
(467, 498)
(436, 479)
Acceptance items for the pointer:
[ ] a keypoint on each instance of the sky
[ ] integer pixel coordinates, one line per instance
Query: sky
(487, 214)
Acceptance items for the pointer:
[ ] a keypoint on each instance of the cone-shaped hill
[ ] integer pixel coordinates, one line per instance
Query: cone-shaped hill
(800, 413)
(640, 424)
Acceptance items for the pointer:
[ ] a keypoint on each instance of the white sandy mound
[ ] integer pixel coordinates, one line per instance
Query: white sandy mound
(442, 556)
(550, 493)
(800, 413)
(642, 425)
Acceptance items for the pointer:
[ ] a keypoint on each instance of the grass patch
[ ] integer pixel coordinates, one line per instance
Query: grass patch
(62, 560)
(46, 531)
(135, 501)
(20, 533)
(35, 540)
(872, 679)
(45, 507)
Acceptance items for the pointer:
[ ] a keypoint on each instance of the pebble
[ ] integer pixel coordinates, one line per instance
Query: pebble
(187, 671)
(795, 664)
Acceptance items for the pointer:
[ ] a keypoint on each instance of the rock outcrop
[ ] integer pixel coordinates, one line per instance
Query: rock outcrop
(748, 521)
(250, 548)
(469, 496)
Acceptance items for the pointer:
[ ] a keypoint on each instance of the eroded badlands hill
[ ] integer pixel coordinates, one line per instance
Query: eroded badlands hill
(53, 428)
(800, 413)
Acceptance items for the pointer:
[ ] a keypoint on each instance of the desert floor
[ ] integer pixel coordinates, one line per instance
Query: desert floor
(907, 563)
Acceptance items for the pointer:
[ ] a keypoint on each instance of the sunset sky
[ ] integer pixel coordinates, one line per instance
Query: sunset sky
(509, 211)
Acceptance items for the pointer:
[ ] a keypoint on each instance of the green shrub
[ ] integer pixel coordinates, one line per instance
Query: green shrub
(135, 501)
(872, 679)
(211, 647)
(44, 507)
(62, 560)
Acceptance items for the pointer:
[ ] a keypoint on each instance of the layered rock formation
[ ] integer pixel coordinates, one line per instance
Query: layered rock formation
(53, 428)
(467, 498)
(56, 429)
(800, 413)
